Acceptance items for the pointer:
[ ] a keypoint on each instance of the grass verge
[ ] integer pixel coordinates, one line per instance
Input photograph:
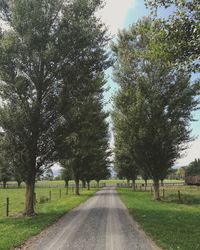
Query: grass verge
(172, 226)
(14, 231)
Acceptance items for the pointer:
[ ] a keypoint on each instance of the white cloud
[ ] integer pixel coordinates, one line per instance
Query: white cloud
(57, 166)
(56, 169)
(114, 13)
(3, 25)
(190, 154)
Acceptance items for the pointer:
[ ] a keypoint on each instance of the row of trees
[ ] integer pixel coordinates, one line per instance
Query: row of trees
(193, 169)
(52, 61)
(9, 173)
(156, 97)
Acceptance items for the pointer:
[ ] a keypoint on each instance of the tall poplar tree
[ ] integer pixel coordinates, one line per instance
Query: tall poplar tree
(49, 47)
(81, 97)
(154, 103)
(30, 61)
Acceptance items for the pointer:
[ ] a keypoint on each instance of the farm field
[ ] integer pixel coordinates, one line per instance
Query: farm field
(60, 203)
(22, 228)
(60, 183)
(171, 223)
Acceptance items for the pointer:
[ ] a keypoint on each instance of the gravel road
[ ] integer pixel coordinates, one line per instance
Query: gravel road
(102, 223)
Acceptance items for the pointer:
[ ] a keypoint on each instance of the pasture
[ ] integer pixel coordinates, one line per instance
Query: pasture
(172, 223)
(60, 183)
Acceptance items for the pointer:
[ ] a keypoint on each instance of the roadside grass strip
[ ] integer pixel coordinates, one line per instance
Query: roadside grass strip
(172, 225)
(17, 229)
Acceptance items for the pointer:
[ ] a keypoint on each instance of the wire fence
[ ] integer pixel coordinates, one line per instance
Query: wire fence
(12, 199)
(43, 184)
(172, 192)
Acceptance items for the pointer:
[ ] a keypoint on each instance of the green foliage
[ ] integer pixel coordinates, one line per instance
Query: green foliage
(125, 165)
(89, 153)
(29, 64)
(51, 61)
(178, 40)
(193, 168)
(83, 135)
(153, 105)
(5, 165)
(66, 172)
(95, 151)
(31, 59)
(181, 172)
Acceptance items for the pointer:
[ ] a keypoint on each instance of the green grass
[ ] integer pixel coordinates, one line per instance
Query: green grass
(60, 183)
(16, 198)
(172, 226)
(15, 230)
(189, 195)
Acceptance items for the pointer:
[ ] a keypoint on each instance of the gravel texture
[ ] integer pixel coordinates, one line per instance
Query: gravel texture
(101, 223)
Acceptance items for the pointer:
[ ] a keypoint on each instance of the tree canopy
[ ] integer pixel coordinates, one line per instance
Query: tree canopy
(153, 105)
(52, 57)
(178, 40)
(193, 168)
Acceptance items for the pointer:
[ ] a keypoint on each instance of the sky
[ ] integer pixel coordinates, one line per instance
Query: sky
(119, 14)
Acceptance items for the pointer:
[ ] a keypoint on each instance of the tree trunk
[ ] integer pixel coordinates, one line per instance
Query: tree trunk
(145, 183)
(88, 185)
(18, 184)
(98, 184)
(30, 199)
(84, 183)
(4, 184)
(133, 184)
(156, 190)
(66, 183)
(162, 183)
(128, 183)
(77, 187)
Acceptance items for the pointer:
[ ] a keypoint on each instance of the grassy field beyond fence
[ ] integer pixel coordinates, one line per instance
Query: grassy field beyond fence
(61, 183)
(17, 197)
(173, 224)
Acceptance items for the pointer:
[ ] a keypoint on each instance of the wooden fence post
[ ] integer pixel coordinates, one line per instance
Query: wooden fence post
(179, 195)
(163, 194)
(49, 195)
(7, 206)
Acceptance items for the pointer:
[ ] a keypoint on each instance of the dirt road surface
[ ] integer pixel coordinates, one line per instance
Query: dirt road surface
(102, 223)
